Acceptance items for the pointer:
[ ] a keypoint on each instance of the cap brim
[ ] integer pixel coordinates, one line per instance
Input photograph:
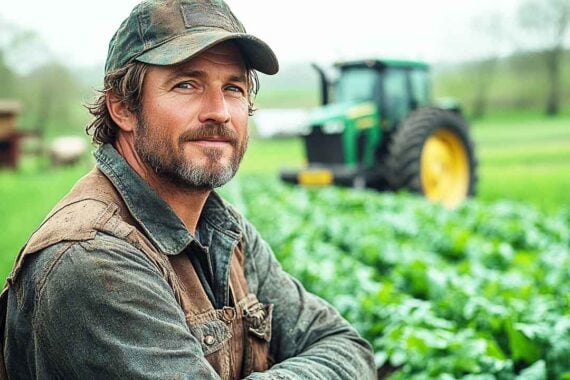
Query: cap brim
(183, 47)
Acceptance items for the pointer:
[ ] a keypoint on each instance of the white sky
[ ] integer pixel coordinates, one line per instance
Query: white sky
(78, 31)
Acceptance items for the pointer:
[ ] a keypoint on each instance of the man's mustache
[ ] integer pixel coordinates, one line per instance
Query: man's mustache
(210, 130)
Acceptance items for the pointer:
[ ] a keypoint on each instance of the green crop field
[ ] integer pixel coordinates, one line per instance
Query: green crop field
(480, 291)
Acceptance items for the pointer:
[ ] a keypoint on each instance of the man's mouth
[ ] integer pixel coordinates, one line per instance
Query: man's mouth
(212, 141)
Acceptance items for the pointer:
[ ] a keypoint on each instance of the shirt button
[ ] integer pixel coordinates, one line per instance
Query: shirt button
(229, 314)
(209, 340)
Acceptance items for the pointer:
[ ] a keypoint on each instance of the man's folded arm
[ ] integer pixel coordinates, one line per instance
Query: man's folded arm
(310, 340)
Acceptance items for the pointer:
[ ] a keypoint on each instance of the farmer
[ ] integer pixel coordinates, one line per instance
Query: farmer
(142, 270)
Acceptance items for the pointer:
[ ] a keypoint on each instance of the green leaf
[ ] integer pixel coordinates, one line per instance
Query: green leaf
(522, 348)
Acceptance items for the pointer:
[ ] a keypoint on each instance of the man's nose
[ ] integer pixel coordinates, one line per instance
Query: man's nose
(214, 107)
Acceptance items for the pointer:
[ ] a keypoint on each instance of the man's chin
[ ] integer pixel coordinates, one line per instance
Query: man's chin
(201, 177)
(212, 161)
(209, 161)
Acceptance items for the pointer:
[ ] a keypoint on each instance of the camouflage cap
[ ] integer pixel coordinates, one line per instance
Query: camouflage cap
(166, 32)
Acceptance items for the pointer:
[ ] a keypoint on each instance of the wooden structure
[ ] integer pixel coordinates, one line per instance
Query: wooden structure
(9, 136)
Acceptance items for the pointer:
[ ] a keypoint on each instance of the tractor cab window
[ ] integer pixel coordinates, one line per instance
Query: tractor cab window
(397, 102)
(420, 87)
(357, 84)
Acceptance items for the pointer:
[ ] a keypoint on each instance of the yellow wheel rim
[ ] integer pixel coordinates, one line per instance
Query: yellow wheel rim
(445, 168)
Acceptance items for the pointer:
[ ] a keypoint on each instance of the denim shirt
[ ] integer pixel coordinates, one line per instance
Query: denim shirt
(99, 308)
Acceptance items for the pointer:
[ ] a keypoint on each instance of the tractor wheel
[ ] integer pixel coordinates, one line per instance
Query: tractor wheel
(431, 153)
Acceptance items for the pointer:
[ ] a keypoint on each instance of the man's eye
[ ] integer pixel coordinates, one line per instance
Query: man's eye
(236, 89)
(185, 85)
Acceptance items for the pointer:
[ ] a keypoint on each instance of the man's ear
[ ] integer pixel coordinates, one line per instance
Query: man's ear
(121, 115)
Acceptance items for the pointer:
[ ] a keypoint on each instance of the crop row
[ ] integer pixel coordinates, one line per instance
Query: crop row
(480, 292)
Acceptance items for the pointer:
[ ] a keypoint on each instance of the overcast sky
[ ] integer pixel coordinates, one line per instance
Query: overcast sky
(78, 31)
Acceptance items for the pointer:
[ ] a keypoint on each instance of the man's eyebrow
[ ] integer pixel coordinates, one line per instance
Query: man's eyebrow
(201, 74)
(183, 72)
(238, 78)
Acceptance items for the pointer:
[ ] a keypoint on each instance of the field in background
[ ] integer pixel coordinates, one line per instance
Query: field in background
(522, 157)
(525, 158)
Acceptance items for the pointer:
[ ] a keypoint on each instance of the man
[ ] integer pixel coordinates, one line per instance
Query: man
(142, 271)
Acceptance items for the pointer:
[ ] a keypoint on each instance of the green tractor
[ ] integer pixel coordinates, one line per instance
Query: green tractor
(382, 131)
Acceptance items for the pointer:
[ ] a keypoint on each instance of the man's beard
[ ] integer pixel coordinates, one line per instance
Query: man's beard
(171, 165)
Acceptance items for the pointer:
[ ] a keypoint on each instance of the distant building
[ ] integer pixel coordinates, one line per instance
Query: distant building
(9, 136)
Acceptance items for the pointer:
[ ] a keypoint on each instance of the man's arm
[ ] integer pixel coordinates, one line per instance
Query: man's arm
(310, 340)
(106, 312)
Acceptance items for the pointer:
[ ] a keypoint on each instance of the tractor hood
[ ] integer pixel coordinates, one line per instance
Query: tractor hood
(334, 117)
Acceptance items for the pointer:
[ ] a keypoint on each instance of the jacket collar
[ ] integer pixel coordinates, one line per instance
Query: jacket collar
(159, 222)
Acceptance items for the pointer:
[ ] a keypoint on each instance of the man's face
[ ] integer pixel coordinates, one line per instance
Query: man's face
(192, 131)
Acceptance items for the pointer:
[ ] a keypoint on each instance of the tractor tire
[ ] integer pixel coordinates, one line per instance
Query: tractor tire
(431, 153)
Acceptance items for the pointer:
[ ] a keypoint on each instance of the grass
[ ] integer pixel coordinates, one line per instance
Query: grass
(267, 156)
(524, 158)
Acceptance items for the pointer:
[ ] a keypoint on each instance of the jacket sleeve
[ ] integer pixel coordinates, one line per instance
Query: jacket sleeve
(310, 340)
(105, 311)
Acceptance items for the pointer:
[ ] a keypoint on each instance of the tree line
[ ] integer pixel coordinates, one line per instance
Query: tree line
(532, 75)
(50, 92)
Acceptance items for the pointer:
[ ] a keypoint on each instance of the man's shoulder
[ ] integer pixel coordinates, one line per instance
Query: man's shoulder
(91, 206)
(77, 221)
(81, 234)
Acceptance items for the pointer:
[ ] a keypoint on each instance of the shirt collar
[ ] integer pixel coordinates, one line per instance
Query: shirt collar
(159, 222)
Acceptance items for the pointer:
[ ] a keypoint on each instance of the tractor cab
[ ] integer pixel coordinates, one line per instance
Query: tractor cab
(373, 129)
(395, 87)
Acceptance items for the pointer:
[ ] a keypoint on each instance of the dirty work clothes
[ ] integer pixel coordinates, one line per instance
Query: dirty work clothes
(97, 305)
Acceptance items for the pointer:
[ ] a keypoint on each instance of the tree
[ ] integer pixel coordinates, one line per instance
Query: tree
(29, 72)
(490, 28)
(7, 75)
(7, 79)
(22, 50)
(54, 93)
(547, 23)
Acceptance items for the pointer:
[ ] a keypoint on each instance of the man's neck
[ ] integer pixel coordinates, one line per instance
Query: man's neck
(186, 204)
